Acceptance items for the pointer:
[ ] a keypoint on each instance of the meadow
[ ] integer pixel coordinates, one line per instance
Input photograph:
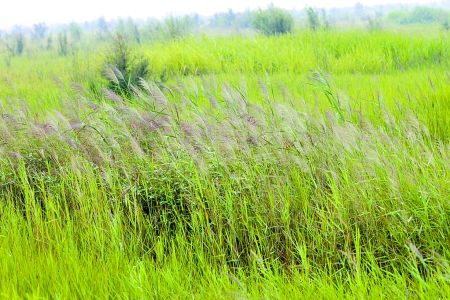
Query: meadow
(307, 165)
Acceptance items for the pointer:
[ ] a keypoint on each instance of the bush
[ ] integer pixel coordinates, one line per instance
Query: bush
(123, 69)
(273, 21)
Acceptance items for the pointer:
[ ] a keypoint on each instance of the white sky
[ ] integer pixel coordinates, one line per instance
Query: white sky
(28, 12)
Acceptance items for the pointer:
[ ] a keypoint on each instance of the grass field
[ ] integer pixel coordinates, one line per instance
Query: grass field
(312, 165)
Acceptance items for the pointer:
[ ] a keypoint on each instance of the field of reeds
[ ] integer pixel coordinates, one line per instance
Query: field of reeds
(311, 165)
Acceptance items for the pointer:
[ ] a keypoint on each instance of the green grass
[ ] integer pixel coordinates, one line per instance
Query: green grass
(248, 175)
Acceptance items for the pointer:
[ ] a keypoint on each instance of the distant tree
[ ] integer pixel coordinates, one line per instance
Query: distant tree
(49, 42)
(230, 17)
(196, 20)
(313, 19)
(63, 44)
(129, 30)
(176, 27)
(226, 19)
(360, 11)
(102, 28)
(244, 20)
(75, 32)
(134, 31)
(102, 25)
(19, 40)
(373, 23)
(446, 25)
(152, 30)
(39, 30)
(273, 21)
(120, 28)
(419, 15)
(325, 21)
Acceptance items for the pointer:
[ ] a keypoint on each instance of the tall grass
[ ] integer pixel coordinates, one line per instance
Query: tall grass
(242, 197)
(245, 175)
(334, 51)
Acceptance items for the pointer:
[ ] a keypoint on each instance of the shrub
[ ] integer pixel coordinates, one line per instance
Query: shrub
(123, 68)
(273, 21)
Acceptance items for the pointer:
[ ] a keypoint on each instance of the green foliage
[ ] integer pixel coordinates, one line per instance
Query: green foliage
(245, 177)
(446, 25)
(360, 10)
(20, 43)
(317, 19)
(15, 44)
(177, 27)
(273, 21)
(129, 30)
(123, 69)
(49, 43)
(102, 29)
(171, 28)
(325, 21)
(75, 32)
(125, 192)
(40, 30)
(419, 15)
(63, 43)
(227, 19)
(346, 52)
(313, 19)
(232, 20)
(374, 23)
